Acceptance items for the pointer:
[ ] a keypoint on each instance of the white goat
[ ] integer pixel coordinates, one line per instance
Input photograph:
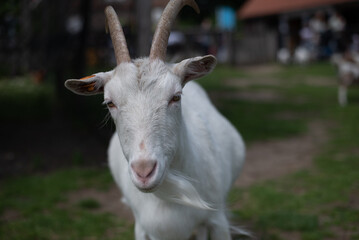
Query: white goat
(348, 74)
(174, 156)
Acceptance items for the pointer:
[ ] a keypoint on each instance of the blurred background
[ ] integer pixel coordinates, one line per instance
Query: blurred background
(285, 79)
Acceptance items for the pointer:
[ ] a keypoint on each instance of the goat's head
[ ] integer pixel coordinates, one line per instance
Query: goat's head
(144, 98)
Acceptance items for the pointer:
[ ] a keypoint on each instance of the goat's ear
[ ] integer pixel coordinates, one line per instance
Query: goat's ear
(90, 85)
(193, 68)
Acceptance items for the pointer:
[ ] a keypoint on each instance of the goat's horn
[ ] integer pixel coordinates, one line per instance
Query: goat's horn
(117, 36)
(160, 39)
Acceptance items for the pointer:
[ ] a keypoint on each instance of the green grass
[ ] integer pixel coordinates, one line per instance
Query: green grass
(214, 81)
(34, 205)
(317, 69)
(320, 203)
(314, 204)
(89, 204)
(258, 121)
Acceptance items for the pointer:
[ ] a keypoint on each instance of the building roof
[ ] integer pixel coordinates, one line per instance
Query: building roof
(261, 8)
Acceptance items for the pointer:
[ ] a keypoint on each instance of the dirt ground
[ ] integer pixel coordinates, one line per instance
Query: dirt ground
(276, 158)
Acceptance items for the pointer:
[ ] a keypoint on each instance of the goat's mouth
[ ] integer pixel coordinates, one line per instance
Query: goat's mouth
(151, 184)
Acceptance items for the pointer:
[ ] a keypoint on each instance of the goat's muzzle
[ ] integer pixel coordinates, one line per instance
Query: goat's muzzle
(144, 172)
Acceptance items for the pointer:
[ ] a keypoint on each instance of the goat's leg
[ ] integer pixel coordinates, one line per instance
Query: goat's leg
(219, 227)
(202, 233)
(342, 95)
(140, 234)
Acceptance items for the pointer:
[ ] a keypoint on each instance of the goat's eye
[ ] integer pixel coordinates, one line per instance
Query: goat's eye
(176, 98)
(110, 104)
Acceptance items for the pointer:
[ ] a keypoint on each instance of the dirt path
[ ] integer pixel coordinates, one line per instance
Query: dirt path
(276, 158)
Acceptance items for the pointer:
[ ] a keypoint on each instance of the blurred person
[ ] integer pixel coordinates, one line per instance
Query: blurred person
(322, 34)
(307, 37)
(337, 25)
(318, 23)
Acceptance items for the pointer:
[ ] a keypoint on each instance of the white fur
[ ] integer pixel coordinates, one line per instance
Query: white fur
(200, 153)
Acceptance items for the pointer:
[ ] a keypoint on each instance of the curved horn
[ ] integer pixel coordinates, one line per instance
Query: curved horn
(117, 36)
(160, 39)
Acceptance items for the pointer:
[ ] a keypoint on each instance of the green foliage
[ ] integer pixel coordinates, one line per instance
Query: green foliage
(22, 99)
(9, 6)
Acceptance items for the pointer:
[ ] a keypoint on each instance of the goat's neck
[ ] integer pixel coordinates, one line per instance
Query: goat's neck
(186, 160)
(184, 153)
(180, 183)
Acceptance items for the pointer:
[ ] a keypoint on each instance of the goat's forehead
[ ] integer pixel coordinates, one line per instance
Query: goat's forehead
(142, 75)
(153, 68)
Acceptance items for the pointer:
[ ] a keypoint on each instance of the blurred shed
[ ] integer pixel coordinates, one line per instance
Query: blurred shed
(271, 25)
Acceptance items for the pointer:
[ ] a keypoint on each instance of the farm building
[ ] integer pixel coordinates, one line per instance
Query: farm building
(272, 25)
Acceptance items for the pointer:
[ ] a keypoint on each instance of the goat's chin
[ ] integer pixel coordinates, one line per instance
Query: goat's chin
(148, 189)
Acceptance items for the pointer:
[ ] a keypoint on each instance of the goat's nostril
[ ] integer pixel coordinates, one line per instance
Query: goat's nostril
(144, 168)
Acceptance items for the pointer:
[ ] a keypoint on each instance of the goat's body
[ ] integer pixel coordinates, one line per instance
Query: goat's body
(210, 153)
(174, 156)
(348, 74)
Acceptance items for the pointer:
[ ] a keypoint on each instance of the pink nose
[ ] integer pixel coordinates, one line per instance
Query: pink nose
(144, 168)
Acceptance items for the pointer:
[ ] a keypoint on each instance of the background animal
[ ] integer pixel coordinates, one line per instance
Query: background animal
(348, 73)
